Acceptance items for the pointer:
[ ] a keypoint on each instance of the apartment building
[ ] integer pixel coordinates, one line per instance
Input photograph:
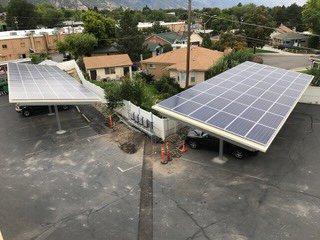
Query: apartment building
(20, 44)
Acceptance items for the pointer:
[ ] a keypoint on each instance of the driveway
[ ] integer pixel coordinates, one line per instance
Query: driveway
(270, 196)
(287, 61)
(76, 186)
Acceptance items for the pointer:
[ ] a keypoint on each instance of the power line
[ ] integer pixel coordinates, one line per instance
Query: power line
(247, 23)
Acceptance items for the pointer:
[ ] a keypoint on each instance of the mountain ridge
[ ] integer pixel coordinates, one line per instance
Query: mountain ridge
(156, 4)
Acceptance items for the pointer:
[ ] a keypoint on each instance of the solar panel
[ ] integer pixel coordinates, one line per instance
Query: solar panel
(30, 83)
(251, 101)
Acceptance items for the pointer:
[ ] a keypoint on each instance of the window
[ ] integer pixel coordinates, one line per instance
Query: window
(152, 66)
(4, 46)
(193, 77)
(110, 70)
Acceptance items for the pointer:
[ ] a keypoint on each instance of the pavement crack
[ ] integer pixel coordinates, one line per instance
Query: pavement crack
(201, 228)
(51, 227)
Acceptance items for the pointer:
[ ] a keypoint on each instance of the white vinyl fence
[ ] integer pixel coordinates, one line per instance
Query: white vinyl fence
(148, 122)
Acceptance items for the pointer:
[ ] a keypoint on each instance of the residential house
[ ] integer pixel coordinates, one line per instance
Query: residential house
(178, 27)
(155, 49)
(289, 40)
(173, 64)
(286, 37)
(174, 39)
(108, 67)
(110, 50)
(21, 43)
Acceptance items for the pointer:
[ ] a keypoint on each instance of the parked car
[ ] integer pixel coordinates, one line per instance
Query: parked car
(28, 111)
(197, 139)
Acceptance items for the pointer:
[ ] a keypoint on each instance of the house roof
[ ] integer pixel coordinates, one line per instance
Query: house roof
(170, 37)
(202, 59)
(107, 61)
(284, 29)
(290, 36)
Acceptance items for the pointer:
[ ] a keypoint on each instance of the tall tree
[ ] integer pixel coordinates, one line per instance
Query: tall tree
(294, 16)
(130, 39)
(21, 15)
(256, 30)
(48, 15)
(79, 45)
(311, 15)
(103, 28)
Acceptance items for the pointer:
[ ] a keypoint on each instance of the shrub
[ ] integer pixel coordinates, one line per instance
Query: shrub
(167, 87)
(37, 58)
(316, 73)
(229, 61)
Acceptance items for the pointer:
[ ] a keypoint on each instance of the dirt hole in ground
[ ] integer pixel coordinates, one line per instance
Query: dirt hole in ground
(129, 140)
(129, 148)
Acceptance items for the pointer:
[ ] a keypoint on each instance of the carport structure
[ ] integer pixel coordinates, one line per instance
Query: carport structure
(34, 85)
(246, 105)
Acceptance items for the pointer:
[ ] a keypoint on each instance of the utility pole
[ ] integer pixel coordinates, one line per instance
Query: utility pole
(188, 44)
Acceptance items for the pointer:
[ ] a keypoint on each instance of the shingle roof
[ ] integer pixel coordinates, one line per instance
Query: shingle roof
(170, 37)
(290, 36)
(284, 29)
(107, 61)
(202, 59)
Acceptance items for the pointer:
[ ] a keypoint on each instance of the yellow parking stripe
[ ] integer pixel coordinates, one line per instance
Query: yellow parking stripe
(1, 238)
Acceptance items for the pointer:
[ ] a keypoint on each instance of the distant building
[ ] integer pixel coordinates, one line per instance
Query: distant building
(108, 67)
(173, 39)
(21, 43)
(178, 27)
(288, 38)
(173, 64)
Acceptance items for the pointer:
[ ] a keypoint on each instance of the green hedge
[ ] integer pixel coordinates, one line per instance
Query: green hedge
(229, 61)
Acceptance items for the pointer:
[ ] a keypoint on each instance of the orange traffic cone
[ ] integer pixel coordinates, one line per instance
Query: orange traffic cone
(163, 155)
(183, 148)
(110, 122)
(168, 152)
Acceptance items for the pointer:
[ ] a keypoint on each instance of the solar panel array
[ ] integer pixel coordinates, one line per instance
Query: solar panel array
(28, 82)
(251, 100)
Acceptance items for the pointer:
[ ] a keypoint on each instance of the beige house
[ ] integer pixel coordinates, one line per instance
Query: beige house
(108, 67)
(173, 64)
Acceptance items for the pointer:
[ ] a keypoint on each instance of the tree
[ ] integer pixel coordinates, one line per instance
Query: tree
(257, 36)
(206, 42)
(157, 28)
(48, 15)
(21, 15)
(79, 45)
(167, 48)
(130, 39)
(230, 40)
(294, 16)
(314, 42)
(101, 27)
(311, 15)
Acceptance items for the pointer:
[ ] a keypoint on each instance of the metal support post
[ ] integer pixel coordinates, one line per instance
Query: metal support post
(220, 149)
(50, 111)
(60, 131)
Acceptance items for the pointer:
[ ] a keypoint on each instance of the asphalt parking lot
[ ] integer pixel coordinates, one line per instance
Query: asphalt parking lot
(75, 186)
(81, 186)
(270, 196)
